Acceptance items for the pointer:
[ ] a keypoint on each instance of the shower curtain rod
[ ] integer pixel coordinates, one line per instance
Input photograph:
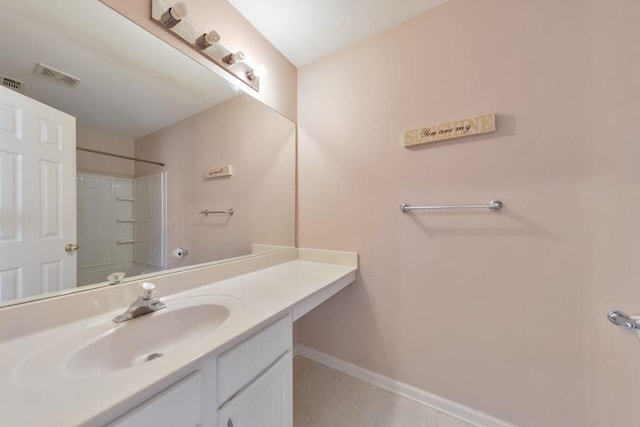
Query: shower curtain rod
(135, 159)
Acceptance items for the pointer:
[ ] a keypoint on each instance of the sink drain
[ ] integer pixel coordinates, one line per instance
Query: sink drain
(153, 356)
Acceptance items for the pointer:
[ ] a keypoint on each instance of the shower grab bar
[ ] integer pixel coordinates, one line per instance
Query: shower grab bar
(623, 319)
(493, 205)
(208, 212)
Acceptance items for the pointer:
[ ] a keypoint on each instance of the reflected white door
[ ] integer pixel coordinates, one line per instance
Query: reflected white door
(37, 197)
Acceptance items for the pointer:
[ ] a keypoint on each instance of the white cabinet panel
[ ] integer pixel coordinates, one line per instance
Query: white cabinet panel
(267, 402)
(246, 361)
(179, 405)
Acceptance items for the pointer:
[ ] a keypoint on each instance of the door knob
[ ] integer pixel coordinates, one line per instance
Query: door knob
(71, 247)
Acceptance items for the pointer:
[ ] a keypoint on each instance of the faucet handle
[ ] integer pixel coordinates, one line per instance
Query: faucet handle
(148, 290)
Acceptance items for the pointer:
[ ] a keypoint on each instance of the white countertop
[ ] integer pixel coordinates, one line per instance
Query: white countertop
(46, 396)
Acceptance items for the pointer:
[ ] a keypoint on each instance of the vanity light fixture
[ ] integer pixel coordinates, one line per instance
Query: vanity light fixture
(234, 58)
(208, 39)
(206, 43)
(174, 15)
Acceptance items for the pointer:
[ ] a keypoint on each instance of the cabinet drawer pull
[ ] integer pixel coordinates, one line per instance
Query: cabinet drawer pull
(229, 423)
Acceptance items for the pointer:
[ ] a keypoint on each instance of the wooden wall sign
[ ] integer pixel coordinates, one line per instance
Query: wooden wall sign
(465, 127)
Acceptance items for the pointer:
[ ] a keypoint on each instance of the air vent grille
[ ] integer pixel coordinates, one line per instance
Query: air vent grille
(16, 85)
(57, 76)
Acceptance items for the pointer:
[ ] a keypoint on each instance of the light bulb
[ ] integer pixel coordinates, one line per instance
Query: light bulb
(257, 72)
(174, 15)
(260, 71)
(208, 39)
(234, 58)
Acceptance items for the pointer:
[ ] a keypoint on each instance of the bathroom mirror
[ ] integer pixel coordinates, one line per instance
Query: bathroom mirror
(215, 175)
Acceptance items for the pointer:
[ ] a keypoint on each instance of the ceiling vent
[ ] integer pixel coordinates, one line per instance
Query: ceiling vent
(57, 76)
(16, 85)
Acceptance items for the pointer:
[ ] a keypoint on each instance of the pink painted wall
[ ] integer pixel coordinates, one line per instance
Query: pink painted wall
(260, 145)
(277, 89)
(97, 163)
(503, 312)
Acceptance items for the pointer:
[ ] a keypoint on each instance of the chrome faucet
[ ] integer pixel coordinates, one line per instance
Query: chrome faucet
(147, 302)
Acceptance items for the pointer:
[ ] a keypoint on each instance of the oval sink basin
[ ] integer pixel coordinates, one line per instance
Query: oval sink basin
(146, 338)
(106, 347)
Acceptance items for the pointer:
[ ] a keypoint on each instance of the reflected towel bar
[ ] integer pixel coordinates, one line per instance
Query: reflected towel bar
(208, 212)
(493, 205)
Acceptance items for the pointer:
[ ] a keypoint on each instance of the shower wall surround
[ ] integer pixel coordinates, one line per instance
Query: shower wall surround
(105, 220)
(121, 225)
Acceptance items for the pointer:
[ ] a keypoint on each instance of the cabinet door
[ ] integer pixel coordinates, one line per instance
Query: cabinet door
(245, 362)
(266, 402)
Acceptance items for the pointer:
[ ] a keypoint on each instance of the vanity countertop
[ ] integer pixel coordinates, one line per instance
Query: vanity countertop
(45, 395)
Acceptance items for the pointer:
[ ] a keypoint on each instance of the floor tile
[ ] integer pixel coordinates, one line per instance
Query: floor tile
(445, 420)
(301, 365)
(318, 382)
(324, 397)
(398, 411)
(330, 418)
(305, 409)
(356, 399)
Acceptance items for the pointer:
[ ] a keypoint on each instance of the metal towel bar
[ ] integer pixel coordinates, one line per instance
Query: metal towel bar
(493, 205)
(208, 212)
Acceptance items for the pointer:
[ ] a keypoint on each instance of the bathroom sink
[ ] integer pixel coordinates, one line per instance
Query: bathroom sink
(105, 347)
(146, 338)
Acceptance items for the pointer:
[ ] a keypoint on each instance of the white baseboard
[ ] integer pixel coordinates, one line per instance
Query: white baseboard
(441, 404)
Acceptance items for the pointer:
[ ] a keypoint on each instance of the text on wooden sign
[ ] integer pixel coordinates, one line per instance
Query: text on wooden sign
(456, 129)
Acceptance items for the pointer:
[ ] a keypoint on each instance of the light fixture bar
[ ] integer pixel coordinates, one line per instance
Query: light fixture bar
(173, 19)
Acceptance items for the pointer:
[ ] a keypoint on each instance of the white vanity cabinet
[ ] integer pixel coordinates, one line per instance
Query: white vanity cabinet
(266, 402)
(255, 379)
(178, 405)
(249, 385)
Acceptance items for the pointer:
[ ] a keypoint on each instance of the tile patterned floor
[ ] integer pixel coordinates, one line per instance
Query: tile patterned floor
(323, 397)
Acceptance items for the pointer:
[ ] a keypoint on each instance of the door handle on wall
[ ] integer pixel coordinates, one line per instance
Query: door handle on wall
(623, 319)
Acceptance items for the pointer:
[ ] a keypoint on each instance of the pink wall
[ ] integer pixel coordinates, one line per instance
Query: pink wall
(277, 89)
(503, 312)
(260, 145)
(97, 163)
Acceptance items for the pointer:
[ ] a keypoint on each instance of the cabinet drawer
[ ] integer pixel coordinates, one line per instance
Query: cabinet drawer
(266, 402)
(178, 405)
(246, 361)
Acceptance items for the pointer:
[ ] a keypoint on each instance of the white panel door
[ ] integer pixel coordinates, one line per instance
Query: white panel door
(37, 197)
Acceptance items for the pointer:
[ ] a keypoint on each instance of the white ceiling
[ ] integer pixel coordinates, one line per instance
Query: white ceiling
(307, 30)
